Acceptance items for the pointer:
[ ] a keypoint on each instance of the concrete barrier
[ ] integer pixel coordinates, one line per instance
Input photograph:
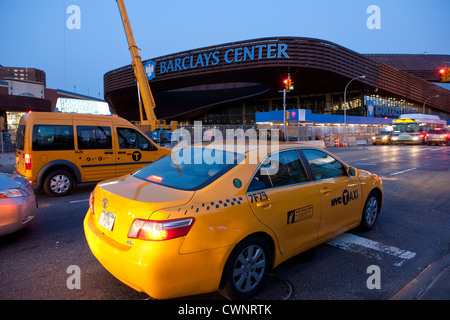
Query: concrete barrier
(7, 162)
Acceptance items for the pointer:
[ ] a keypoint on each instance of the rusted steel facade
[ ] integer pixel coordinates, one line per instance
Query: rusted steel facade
(316, 66)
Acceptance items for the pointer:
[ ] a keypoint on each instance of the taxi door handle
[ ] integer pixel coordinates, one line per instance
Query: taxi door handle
(325, 191)
(264, 203)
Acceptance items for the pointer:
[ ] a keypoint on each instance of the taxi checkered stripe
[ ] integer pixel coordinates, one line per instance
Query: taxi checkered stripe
(219, 204)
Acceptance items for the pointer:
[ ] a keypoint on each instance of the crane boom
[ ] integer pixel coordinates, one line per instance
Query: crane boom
(144, 87)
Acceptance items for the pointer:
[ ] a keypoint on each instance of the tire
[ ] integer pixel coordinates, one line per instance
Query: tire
(370, 212)
(246, 269)
(58, 183)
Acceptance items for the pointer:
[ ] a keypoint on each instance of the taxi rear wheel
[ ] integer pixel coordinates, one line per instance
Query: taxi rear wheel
(246, 269)
(58, 183)
(370, 212)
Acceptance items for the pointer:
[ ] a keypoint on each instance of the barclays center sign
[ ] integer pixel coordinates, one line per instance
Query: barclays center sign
(225, 55)
(378, 107)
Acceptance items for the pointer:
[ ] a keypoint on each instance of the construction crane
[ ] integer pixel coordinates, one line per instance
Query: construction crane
(148, 102)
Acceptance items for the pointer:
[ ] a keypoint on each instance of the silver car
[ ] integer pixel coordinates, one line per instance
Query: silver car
(18, 204)
(438, 136)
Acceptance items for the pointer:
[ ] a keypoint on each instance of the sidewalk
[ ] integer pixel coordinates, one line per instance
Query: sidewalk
(433, 283)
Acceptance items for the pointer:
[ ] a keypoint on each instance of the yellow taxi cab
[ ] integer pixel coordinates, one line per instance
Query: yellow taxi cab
(58, 150)
(382, 137)
(186, 225)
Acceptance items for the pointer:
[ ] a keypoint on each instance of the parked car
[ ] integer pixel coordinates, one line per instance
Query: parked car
(56, 151)
(17, 203)
(438, 136)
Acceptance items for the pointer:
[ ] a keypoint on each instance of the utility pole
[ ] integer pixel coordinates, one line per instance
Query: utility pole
(288, 85)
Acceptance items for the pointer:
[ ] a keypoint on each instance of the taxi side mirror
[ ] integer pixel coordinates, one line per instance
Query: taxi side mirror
(352, 172)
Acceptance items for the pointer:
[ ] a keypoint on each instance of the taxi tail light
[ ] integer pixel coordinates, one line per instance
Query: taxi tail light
(27, 157)
(157, 230)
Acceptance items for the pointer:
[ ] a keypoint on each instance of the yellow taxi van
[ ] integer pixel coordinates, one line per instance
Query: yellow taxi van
(56, 151)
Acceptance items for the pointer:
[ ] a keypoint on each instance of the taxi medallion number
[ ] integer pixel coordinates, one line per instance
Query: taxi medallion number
(107, 220)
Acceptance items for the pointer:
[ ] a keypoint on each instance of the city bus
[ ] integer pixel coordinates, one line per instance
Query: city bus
(413, 128)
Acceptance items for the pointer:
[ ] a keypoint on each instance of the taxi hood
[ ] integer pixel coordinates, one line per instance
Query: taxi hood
(135, 189)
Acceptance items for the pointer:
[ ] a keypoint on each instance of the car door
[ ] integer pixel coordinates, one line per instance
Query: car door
(134, 151)
(340, 194)
(94, 152)
(284, 199)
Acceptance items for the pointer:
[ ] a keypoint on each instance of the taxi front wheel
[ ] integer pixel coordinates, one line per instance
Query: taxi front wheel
(246, 269)
(370, 212)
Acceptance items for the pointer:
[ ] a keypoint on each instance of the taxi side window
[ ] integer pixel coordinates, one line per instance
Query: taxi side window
(93, 137)
(323, 165)
(132, 139)
(280, 170)
(52, 137)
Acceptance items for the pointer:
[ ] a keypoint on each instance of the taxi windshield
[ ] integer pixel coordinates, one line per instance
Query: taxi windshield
(190, 168)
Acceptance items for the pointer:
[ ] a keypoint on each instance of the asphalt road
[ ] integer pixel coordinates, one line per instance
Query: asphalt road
(412, 231)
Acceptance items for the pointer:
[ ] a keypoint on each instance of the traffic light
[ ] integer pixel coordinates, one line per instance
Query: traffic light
(288, 84)
(444, 74)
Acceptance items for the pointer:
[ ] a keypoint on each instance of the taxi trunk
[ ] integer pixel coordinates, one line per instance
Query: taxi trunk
(114, 214)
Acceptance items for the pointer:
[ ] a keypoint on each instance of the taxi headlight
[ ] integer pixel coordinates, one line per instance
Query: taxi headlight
(394, 138)
(415, 138)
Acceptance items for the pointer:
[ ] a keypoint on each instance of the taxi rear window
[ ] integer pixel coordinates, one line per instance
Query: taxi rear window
(190, 168)
(438, 131)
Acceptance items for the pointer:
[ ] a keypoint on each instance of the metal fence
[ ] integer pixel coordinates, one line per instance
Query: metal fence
(7, 142)
(332, 135)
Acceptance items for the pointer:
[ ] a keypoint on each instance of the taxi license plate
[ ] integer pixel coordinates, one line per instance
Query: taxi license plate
(107, 220)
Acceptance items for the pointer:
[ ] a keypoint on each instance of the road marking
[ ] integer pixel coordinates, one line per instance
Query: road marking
(46, 205)
(399, 172)
(75, 201)
(370, 248)
(407, 170)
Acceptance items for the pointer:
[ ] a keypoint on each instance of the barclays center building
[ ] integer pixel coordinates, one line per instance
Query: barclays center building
(241, 83)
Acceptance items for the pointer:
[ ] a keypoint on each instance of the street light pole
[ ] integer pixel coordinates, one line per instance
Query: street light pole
(345, 105)
(423, 109)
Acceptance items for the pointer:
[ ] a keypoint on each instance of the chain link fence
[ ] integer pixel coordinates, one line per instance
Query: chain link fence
(7, 142)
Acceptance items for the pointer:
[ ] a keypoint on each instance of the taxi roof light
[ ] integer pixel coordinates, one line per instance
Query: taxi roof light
(156, 230)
